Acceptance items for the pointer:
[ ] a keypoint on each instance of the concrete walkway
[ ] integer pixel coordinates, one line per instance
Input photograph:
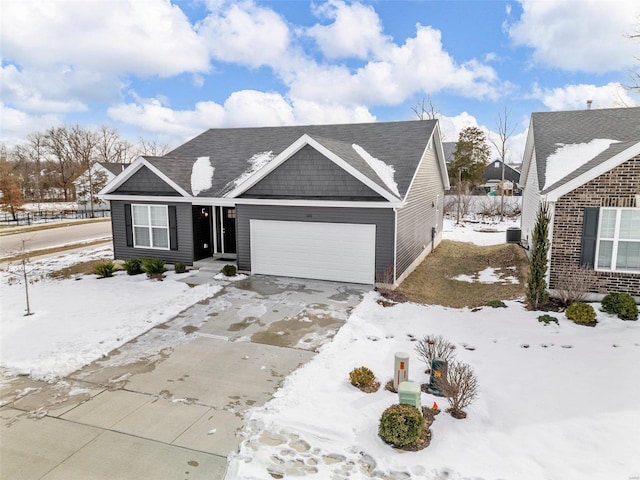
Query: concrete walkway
(169, 404)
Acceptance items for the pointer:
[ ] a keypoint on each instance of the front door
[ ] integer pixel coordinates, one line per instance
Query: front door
(229, 229)
(201, 232)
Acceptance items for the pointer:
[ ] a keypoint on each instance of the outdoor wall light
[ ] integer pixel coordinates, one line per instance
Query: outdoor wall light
(205, 212)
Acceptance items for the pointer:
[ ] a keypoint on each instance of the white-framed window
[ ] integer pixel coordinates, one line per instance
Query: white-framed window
(618, 248)
(150, 226)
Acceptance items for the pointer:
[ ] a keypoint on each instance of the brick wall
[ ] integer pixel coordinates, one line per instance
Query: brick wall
(616, 188)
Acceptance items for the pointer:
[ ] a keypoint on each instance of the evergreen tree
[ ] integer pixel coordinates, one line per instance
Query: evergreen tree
(536, 280)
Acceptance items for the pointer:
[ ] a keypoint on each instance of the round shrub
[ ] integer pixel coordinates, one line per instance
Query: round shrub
(621, 304)
(363, 378)
(133, 266)
(581, 313)
(401, 425)
(180, 267)
(229, 270)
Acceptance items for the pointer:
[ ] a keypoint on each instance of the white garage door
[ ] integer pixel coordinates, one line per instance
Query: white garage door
(342, 252)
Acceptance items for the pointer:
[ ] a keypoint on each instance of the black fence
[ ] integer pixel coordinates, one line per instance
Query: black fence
(31, 218)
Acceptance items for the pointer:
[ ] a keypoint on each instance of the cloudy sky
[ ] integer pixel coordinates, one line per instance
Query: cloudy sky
(167, 70)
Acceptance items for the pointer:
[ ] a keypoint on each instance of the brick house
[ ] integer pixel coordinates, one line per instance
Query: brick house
(586, 165)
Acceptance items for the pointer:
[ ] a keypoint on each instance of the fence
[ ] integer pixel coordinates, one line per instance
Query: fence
(30, 218)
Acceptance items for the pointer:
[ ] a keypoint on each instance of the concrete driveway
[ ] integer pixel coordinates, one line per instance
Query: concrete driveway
(169, 404)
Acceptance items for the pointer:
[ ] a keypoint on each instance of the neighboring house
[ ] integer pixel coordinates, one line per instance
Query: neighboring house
(357, 203)
(492, 177)
(448, 148)
(586, 166)
(90, 182)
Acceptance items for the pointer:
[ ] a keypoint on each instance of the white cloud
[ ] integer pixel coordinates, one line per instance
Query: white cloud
(245, 34)
(16, 125)
(244, 108)
(578, 35)
(118, 37)
(356, 30)
(574, 97)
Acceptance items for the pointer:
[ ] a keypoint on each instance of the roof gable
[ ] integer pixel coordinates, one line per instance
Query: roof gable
(154, 173)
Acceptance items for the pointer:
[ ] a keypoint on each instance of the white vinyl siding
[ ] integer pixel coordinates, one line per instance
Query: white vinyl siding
(341, 252)
(150, 226)
(619, 240)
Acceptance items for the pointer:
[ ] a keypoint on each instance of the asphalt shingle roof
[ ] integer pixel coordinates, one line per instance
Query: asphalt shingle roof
(113, 167)
(552, 130)
(400, 144)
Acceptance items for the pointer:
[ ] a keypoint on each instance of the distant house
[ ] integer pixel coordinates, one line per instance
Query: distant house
(586, 166)
(448, 148)
(493, 181)
(89, 183)
(356, 203)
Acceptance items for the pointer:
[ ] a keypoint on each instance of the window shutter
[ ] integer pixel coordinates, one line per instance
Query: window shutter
(589, 237)
(128, 224)
(173, 228)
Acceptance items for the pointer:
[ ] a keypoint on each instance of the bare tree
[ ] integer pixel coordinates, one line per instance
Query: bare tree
(10, 184)
(32, 157)
(460, 387)
(425, 109)
(111, 148)
(63, 161)
(634, 74)
(152, 148)
(505, 131)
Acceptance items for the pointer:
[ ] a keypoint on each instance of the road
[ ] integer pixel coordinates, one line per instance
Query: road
(54, 237)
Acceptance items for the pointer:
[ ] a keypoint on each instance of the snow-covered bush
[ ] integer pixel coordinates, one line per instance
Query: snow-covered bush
(581, 313)
(460, 388)
(621, 304)
(401, 425)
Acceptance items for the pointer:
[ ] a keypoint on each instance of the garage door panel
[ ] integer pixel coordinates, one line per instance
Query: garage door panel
(328, 251)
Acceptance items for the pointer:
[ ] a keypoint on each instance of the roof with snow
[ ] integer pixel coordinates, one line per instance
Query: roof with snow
(399, 145)
(586, 138)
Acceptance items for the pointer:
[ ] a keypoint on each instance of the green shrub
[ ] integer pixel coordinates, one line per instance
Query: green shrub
(180, 267)
(153, 267)
(104, 269)
(547, 319)
(133, 266)
(496, 304)
(581, 313)
(621, 304)
(401, 425)
(363, 378)
(229, 270)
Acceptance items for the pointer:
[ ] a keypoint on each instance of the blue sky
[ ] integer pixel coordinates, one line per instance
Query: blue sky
(167, 71)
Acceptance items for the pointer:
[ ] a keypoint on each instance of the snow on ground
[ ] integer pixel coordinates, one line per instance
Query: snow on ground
(201, 175)
(488, 275)
(384, 171)
(79, 320)
(478, 233)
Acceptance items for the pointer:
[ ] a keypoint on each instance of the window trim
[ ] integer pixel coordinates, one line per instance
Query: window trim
(150, 227)
(615, 239)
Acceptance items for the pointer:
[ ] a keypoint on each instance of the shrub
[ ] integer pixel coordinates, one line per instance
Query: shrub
(547, 319)
(621, 304)
(153, 267)
(364, 379)
(581, 313)
(229, 270)
(401, 425)
(496, 304)
(180, 267)
(133, 266)
(432, 346)
(104, 269)
(574, 286)
(460, 387)
(536, 287)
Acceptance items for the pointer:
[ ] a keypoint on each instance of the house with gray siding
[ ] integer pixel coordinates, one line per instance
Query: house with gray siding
(585, 165)
(359, 203)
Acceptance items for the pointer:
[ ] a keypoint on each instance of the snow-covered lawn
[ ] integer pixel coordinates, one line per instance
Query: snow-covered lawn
(79, 320)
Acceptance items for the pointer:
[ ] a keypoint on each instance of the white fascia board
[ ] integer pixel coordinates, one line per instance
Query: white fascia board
(594, 173)
(290, 151)
(219, 202)
(132, 169)
(527, 156)
(317, 203)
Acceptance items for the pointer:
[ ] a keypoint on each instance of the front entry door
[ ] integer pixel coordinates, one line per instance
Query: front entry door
(229, 229)
(201, 232)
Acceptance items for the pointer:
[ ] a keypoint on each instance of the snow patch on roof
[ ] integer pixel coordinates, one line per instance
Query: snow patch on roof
(568, 158)
(256, 162)
(384, 171)
(201, 175)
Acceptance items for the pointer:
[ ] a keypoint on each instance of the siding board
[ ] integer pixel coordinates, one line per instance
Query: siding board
(145, 182)
(184, 230)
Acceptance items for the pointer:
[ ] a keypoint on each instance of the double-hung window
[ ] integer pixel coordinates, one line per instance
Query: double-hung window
(150, 226)
(618, 246)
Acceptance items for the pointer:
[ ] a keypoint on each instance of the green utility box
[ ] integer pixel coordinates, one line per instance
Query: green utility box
(409, 393)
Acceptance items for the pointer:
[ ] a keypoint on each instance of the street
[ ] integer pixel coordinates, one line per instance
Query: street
(54, 237)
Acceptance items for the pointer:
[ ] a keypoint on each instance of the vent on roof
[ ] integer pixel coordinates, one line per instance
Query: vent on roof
(589, 102)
